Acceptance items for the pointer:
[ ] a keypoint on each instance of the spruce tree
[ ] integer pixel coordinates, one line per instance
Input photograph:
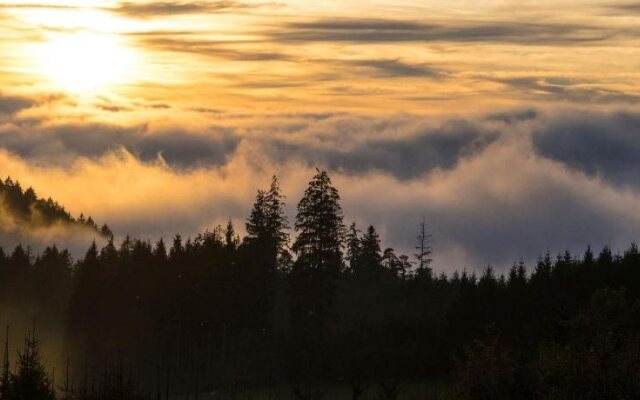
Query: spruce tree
(312, 279)
(354, 247)
(267, 225)
(30, 381)
(319, 223)
(371, 259)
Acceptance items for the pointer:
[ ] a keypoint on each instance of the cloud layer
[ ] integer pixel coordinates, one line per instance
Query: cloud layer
(493, 188)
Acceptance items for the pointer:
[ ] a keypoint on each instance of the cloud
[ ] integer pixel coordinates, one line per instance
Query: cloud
(625, 8)
(420, 149)
(63, 143)
(493, 188)
(605, 145)
(563, 89)
(181, 42)
(390, 68)
(167, 8)
(12, 104)
(514, 116)
(496, 207)
(37, 5)
(389, 30)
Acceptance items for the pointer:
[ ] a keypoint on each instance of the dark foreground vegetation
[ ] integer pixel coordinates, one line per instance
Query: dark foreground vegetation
(224, 315)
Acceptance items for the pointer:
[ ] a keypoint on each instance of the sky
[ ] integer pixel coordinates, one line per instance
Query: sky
(511, 127)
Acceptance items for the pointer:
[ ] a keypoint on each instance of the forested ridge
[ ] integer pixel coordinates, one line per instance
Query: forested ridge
(24, 207)
(311, 303)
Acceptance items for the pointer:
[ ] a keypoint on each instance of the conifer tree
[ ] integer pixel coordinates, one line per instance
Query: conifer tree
(371, 258)
(30, 381)
(312, 279)
(353, 246)
(267, 225)
(319, 223)
(230, 237)
(423, 255)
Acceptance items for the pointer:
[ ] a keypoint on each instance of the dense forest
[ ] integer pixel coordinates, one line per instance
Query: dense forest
(24, 207)
(311, 303)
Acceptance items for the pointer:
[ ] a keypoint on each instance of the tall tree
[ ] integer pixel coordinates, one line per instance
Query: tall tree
(319, 223)
(30, 381)
(423, 255)
(371, 259)
(354, 246)
(312, 279)
(267, 224)
(230, 237)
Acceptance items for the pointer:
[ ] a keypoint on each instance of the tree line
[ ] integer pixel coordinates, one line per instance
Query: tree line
(219, 313)
(26, 208)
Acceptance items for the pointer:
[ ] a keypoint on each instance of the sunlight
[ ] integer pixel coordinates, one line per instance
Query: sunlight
(81, 62)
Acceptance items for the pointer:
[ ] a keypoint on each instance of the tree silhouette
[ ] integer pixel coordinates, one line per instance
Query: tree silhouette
(423, 255)
(320, 228)
(30, 381)
(213, 313)
(371, 257)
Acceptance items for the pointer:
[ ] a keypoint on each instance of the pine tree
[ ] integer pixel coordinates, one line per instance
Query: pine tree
(312, 279)
(256, 225)
(371, 259)
(588, 258)
(276, 220)
(354, 246)
(319, 223)
(230, 237)
(267, 225)
(31, 382)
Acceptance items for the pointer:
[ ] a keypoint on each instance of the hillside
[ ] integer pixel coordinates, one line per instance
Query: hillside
(25, 208)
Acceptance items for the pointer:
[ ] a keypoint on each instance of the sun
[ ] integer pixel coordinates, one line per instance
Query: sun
(85, 62)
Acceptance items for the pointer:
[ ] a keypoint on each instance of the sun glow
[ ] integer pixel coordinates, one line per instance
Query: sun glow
(86, 62)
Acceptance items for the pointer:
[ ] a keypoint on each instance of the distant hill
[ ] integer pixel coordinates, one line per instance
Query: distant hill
(26, 208)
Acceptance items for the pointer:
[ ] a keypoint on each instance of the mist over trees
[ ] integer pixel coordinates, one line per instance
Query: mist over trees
(221, 314)
(24, 207)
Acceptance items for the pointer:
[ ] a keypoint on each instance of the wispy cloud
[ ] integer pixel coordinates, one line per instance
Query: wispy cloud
(168, 8)
(565, 89)
(394, 68)
(389, 30)
(184, 42)
(625, 8)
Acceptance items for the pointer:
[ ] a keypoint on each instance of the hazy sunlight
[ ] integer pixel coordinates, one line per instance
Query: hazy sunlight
(82, 62)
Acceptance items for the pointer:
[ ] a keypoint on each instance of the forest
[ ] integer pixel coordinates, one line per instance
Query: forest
(307, 305)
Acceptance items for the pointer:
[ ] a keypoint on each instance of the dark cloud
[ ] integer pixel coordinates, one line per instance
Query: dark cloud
(184, 43)
(405, 157)
(61, 144)
(381, 30)
(398, 69)
(164, 8)
(12, 104)
(605, 145)
(514, 116)
(564, 89)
